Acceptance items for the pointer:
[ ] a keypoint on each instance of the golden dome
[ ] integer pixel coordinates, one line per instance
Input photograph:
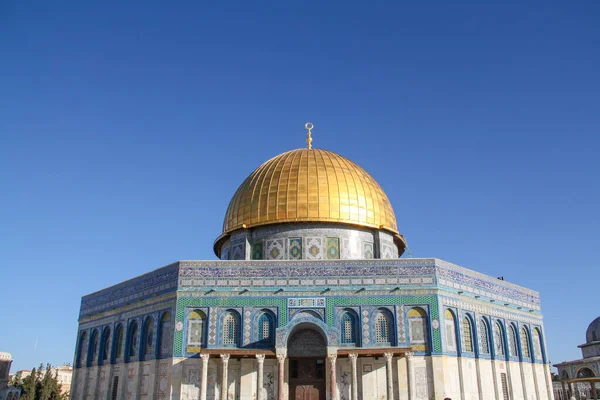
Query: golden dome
(309, 185)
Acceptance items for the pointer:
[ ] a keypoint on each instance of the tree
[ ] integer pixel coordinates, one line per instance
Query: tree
(42, 384)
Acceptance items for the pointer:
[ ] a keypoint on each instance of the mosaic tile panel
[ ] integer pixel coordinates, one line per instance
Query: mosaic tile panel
(275, 249)
(368, 252)
(220, 303)
(237, 251)
(257, 251)
(295, 248)
(318, 311)
(400, 326)
(313, 248)
(332, 245)
(247, 326)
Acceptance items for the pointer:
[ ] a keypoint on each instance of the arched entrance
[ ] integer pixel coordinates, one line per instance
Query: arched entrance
(307, 350)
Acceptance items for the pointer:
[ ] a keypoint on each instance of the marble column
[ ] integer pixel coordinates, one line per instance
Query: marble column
(260, 360)
(224, 384)
(204, 378)
(594, 394)
(390, 376)
(570, 390)
(281, 381)
(332, 376)
(564, 389)
(353, 357)
(409, 373)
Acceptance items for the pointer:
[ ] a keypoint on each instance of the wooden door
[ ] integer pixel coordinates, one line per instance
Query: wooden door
(307, 379)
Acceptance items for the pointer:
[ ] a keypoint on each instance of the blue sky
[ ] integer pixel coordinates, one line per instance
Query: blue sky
(125, 129)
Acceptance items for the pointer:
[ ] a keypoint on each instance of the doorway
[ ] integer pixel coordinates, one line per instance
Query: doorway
(307, 379)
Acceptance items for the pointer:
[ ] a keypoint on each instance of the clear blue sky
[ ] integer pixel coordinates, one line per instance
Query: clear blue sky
(125, 128)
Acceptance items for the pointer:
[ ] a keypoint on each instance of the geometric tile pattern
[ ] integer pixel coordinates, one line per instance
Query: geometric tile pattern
(275, 249)
(400, 326)
(295, 249)
(313, 249)
(368, 252)
(332, 245)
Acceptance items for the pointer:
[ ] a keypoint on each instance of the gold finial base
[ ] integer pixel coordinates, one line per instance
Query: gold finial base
(309, 127)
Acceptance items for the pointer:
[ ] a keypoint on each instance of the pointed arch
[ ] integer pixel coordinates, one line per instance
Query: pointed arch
(148, 337)
(467, 334)
(418, 328)
(348, 327)
(451, 333)
(94, 344)
(513, 341)
(132, 341)
(538, 345)
(230, 329)
(118, 341)
(499, 345)
(483, 336)
(82, 349)
(104, 346)
(164, 345)
(196, 331)
(525, 351)
(382, 327)
(265, 328)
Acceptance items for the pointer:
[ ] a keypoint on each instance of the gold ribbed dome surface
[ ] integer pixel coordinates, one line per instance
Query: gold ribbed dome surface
(309, 185)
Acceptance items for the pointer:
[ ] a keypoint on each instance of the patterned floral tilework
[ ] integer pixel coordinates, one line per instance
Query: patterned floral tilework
(257, 251)
(237, 251)
(333, 248)
(275, 249)
(224, 302)
(368, 251)
(295, 248)
(313, 248)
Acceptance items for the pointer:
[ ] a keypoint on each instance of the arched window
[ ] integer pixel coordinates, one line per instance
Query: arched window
(525, 343)
(104, 350)
(467, 333)
(537, 345)
(484, 341)
(348, 328)
(450, 331)
(585, 373)
(165, 334)
(512, 341)
(417, 327)
(82, 349)
(195, 330)
(498, 339)
(265, 329)
(133, 340)
(119, 337)
(230, 329)
(148, 336)
(383, 327)
(94, 347)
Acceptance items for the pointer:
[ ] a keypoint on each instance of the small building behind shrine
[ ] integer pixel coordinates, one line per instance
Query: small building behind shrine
(581, 378)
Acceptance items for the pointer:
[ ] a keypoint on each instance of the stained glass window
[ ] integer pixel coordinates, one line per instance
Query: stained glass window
(348, 328)
(149, 336)
(133, 339)
(467, 335)
(230, 329)
(525, 343)
(512, 341)
(383, 328)
(484, 343)
(119, 344)
(498, 339)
